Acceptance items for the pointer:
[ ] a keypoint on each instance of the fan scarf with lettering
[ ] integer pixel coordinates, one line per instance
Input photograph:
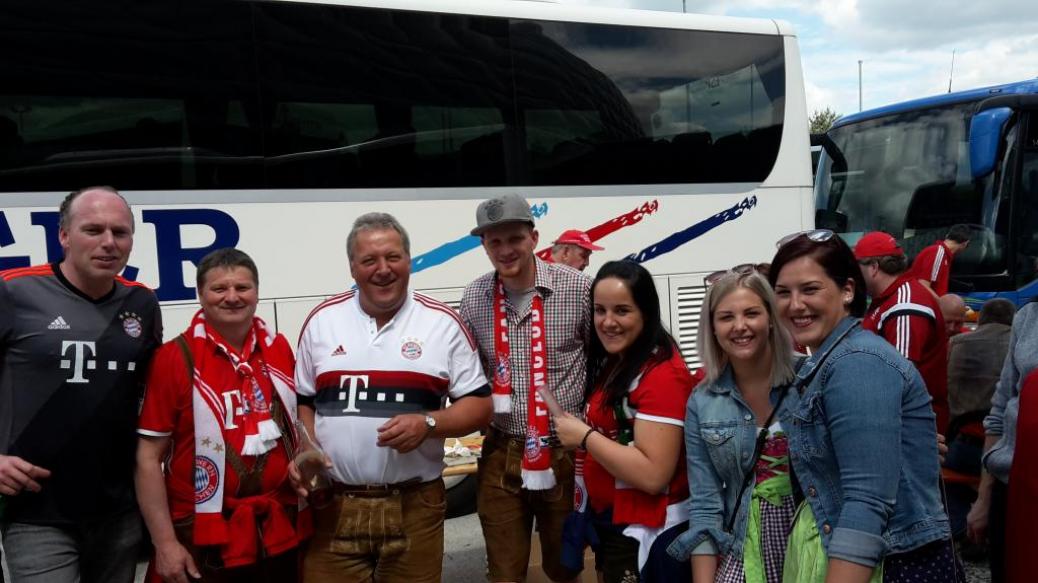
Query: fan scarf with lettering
(262, 434)
(536, 470)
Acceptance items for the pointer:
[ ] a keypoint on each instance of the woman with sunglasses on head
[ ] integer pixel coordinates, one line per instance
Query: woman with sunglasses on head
(862, 439)
(742, 500)
(633, 463)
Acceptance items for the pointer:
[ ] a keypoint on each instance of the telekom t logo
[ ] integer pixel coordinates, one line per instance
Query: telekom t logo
(80, 350)
(80, 360)
(232, 407)
(356, 383)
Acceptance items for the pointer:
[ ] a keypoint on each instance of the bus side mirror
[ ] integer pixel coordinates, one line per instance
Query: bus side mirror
(985, 135)
(835, 221)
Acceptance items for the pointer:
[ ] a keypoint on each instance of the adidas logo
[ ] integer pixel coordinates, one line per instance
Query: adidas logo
(59, 323)
(340, 351)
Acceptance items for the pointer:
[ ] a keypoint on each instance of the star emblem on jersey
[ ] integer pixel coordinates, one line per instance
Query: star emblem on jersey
(411, 349)
(59, 323)
(132, 324)
(206, 441)
(340, 351)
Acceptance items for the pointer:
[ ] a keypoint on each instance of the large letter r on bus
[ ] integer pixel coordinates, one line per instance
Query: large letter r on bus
(171, 252)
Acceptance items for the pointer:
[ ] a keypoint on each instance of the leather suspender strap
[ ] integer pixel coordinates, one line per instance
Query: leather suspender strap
(189, 360)
(249, 480)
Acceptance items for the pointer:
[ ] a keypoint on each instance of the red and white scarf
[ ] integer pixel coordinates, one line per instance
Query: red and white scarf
(536, 471)
(211, 528)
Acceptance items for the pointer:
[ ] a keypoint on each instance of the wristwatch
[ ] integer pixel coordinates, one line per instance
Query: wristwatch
(430, 424)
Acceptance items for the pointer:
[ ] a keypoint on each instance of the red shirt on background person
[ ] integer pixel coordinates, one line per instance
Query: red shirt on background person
(932, 266)
(907, 314)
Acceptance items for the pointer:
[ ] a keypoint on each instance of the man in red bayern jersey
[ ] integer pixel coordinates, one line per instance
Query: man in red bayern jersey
(218, 415)
(906, 314)
(932, 266)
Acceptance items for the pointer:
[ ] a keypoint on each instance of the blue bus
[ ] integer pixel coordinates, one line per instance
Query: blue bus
(914, 169)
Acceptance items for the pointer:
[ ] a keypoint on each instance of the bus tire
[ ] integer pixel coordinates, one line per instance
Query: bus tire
(461, 497)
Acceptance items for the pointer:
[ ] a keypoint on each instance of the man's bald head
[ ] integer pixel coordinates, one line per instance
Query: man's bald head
(65, 210)
(953, 308)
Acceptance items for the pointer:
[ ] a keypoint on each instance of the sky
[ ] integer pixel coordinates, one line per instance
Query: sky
(905, 47)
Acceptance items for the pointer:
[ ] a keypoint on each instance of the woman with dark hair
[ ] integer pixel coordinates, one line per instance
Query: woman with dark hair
(633, 463)
(742, 503)
(862, 439)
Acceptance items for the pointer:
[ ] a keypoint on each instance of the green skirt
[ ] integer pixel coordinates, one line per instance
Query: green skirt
(806, 561)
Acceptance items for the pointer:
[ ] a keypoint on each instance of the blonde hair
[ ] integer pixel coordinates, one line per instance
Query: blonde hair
(714, 358)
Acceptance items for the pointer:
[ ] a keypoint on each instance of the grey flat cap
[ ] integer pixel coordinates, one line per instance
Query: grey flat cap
(509, 208)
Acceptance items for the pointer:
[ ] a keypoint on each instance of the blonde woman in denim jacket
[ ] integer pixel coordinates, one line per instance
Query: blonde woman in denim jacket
(863, 443)
(739, 522)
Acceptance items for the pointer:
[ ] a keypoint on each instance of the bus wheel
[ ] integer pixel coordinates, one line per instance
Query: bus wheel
(461, 495)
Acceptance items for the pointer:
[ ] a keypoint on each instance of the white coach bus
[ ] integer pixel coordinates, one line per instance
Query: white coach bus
(678, 140)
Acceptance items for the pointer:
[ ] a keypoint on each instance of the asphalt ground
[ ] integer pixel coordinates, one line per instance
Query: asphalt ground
(464, 558)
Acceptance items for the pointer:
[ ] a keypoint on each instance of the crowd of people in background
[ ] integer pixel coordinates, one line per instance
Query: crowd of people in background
(809, 447)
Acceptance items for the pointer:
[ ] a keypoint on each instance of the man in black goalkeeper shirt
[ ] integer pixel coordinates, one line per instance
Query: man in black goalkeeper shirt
(75, 341)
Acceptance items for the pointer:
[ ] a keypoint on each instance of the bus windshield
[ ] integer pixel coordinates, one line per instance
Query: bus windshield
(909, 174)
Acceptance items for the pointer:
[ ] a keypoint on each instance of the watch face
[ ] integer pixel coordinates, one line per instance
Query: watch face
(430, 422)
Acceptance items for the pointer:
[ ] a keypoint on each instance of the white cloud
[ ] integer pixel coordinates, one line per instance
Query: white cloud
(905, 46)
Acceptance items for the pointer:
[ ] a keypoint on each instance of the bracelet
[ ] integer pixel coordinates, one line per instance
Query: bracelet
(583, 442)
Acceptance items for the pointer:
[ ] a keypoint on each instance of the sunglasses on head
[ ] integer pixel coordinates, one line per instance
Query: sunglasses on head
(741, 269)
(815, 235)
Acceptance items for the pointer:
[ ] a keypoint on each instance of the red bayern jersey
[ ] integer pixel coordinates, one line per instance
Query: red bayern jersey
(933, 264)
(167, 411)
(659, 394)
(907, 315)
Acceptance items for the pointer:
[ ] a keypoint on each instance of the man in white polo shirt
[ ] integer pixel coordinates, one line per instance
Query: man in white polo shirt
(374, 369)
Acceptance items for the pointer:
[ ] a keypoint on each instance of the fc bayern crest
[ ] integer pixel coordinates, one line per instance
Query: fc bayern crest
(533, 445)
(411, 349)
(503, 372)
(579, 495)
(132, 324)
(207, 479)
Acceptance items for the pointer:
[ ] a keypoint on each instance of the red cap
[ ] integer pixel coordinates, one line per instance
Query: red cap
(578, 238)
(876, 244)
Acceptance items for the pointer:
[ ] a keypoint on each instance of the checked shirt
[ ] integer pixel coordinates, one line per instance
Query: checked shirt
(566, 293)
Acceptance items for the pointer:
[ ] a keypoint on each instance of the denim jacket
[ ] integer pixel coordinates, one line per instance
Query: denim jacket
(863, 446)
(1005, 403)
(720, 436)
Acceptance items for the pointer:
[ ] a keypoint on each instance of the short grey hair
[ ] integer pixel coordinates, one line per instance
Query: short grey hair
(559, 247)
(714, 358)
(65, 210)
(376, 222)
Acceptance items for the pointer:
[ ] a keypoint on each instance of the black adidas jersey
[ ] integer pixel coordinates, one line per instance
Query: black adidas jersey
(72, 372)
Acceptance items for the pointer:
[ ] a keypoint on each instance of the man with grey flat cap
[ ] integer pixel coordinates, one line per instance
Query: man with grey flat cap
(532, 322)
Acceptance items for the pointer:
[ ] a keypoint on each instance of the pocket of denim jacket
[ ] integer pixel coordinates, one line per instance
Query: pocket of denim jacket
(716, 436)
(809, 411)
